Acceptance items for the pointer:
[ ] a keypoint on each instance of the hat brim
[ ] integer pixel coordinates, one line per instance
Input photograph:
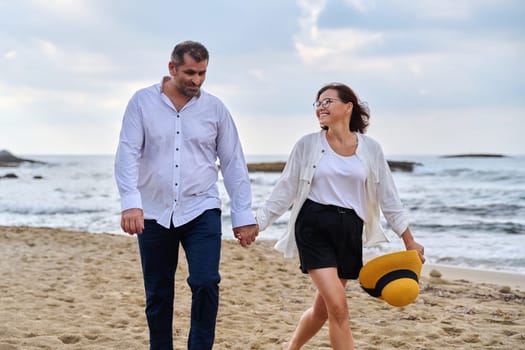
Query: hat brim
(393, 277)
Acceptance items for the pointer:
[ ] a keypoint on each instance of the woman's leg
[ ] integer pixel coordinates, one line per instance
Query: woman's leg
(309, 324)
(333, 293)
(329, 303)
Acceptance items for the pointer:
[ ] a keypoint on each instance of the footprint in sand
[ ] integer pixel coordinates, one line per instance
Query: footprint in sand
(472, 338)
(69, 339)
(453, 331)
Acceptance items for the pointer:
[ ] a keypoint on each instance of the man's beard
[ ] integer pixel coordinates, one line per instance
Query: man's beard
(189, 90)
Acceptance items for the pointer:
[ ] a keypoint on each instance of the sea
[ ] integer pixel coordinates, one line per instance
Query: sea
(467, 212)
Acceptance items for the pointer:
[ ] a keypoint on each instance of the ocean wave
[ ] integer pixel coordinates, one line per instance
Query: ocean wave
(67, 210)
(259, 179)
(468, 173)
(477, 227)
(493, 209)
(504, 264)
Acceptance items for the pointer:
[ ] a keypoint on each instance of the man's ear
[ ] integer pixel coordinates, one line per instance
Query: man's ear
(171, 67)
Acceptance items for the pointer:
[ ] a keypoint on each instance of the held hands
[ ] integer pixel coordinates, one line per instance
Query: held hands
(132, 221)
(246, 234)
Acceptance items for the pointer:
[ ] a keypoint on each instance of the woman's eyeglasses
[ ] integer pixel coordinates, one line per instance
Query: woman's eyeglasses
(325, 102)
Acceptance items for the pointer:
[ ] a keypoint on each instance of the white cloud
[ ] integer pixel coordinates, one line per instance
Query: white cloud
(308, 20)
(76, 8)
(11, 100)
(10, 55)
(447, 131)
(258, 74)
(47, 48)
(31, 103)
(415, 68)
(311, 54)
(443, 9)
(314, 45)
(71, 59)
(362, 5)
(274, 134)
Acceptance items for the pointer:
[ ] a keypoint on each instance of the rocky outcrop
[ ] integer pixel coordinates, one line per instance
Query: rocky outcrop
(279, 166)
(7, 159)
(9, 176)
(402, 165)
(474, 155)
(269, 167)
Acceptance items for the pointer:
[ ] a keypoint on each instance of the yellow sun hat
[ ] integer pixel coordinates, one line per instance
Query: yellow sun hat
(393, 277)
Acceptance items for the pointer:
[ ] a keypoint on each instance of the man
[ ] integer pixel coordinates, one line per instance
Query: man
(165, 167)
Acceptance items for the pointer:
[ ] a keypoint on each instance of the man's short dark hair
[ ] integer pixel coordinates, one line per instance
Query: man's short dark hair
(196, 50)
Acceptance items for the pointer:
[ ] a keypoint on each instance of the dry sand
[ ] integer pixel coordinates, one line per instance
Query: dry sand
(74, 290)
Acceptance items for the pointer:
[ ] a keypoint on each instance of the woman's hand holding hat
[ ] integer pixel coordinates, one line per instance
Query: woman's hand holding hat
(411, 244)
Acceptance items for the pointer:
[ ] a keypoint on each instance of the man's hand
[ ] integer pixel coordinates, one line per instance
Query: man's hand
(246, 234)
(132, 221)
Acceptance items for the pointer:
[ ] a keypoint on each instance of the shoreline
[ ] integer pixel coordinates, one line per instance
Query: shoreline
(453, 272)
(500, 278)
(67, 289)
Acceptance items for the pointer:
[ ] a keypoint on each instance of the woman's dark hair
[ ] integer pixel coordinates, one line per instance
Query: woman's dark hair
(196, 50)
(360, 112)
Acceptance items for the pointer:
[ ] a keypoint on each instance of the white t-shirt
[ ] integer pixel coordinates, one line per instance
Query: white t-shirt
(340, 181)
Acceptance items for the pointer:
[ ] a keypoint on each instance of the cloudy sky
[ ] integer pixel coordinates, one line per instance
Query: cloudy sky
(440, 76)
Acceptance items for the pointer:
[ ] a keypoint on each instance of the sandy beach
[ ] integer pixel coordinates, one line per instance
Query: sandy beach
(74, 290)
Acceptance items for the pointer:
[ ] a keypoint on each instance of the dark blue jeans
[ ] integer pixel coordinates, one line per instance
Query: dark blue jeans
(159, 248)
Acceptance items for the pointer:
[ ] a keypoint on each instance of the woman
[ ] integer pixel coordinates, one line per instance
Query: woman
(337, 180)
